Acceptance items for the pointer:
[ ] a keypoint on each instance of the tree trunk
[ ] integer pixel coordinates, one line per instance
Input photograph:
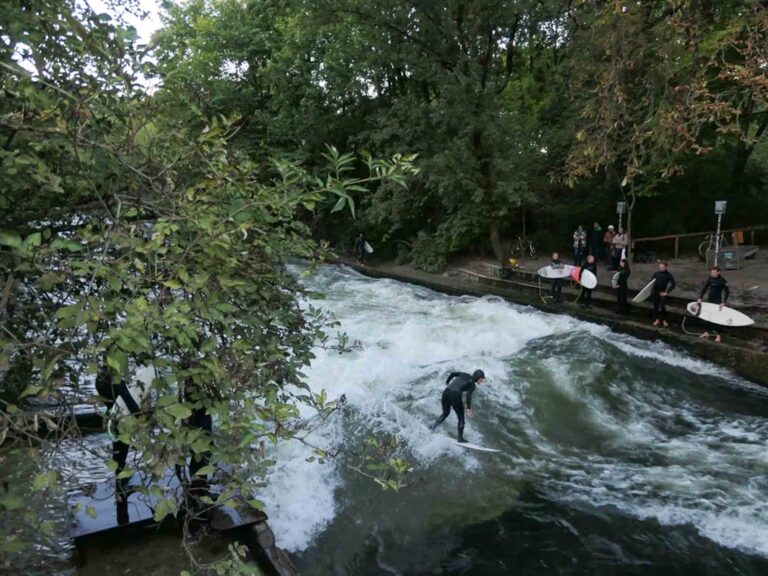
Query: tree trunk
(522, 209)
(486, 184)
(630, 207)
(498, 252)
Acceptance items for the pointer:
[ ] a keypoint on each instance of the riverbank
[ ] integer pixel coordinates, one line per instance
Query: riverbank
(747, 356)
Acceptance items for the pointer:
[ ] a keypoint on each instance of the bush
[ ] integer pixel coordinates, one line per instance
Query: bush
(429, 253)
(403, 253)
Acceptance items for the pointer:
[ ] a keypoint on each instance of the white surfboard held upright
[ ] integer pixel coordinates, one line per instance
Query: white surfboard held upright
(644, 293)
(712, 313)
(584, 277)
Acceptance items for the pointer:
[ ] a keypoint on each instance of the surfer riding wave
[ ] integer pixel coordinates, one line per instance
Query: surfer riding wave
(456, 384)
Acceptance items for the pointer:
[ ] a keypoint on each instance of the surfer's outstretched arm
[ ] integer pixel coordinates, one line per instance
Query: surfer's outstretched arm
(451, 376)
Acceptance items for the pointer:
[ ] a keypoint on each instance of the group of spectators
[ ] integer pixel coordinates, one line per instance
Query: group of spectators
(609, 245)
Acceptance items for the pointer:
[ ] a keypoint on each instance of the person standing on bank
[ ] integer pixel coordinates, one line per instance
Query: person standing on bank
(663, 285)
(717, 291)
(619, 245)
(579, 245)
(360, 248)
(110, 387)
(595, 240)
(456, 384)
(556, 289)
(586, 294)
(608, 245)
(622, 287)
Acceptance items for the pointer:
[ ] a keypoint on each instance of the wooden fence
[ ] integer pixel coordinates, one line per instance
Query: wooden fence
(702, 235)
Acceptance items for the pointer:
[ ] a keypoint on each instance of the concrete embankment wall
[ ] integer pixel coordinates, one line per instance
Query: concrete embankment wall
(744, 357)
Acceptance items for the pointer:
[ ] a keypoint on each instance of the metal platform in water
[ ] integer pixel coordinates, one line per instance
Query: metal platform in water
(101, 511)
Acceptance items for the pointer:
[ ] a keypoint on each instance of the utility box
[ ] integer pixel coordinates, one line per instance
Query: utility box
(728, 258)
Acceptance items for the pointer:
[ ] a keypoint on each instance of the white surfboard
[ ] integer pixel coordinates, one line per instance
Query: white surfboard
(368, 248)
(588, 280)
(712, 313)
(138, 389)
(475, 446)
(552, 273)
(644, 293)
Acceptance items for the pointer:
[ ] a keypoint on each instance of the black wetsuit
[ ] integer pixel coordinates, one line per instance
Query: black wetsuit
(111, 392)
(557, 284)
(621, 289)
(665, 282)
(586, 295)
(718, 290)
(462, 382)
(360, 249)
(202, 420)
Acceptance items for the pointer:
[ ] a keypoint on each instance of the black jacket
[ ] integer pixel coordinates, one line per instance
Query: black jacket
(623, 277)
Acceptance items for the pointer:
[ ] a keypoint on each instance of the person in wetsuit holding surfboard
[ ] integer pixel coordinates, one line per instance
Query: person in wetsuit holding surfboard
(556, 289)
(621, 279)
(360, 248)
(456, 384)
(585, 296)
(110, 387)
(718, 292)
(663, 285)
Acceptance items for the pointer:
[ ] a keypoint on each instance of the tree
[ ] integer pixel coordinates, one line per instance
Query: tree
(442, 72)
(657, 82)
(132, 237)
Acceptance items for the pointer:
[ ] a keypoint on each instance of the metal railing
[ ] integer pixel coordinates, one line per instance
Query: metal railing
(677, 237)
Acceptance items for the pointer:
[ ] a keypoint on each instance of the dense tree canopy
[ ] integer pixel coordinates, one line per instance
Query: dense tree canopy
(537, 114)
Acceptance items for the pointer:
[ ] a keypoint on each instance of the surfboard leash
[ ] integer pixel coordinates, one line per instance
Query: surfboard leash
(578, 296)
(541, 296)
(682, 327)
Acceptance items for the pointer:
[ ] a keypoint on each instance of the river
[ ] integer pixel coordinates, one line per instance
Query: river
(618, 456)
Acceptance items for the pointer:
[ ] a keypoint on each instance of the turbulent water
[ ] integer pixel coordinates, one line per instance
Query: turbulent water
(618, 456)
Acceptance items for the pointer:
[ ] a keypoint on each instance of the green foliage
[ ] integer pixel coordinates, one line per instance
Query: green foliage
(429, 253)
(139, 236)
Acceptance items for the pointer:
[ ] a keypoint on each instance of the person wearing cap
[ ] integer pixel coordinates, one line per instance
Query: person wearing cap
(608, 244)
(456, 384)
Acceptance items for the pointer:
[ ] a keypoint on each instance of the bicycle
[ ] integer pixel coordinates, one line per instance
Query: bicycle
(710, 244)
(523, 247)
